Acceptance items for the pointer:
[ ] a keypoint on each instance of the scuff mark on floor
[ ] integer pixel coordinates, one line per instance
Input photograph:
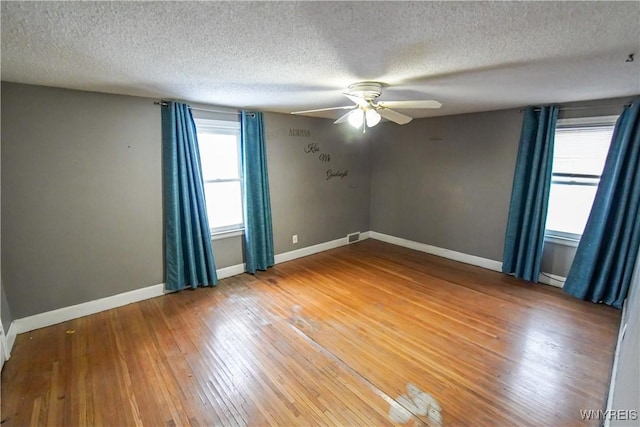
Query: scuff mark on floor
(301, 321)
(416, 402)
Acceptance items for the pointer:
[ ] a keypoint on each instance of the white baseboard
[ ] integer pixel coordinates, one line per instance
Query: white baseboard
(37, 321)
(545, 278)
(41, 320)
(233, 270)
(365, 235)
(10, 339)
(288, 256)
(64, 314)
(4, 350)
(441, 252)
(551, 279)
(310, 250)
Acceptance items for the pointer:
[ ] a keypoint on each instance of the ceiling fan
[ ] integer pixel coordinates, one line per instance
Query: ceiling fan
(367, 113)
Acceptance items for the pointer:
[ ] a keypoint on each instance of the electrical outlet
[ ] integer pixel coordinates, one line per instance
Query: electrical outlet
(294, 239)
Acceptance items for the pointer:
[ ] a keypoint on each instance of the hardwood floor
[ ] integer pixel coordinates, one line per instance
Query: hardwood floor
(367, 334)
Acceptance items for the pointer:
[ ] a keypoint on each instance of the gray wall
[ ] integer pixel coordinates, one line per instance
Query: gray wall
(303, 200)
(446, 181)
(82, 200)
(626, 394)
(5, 311)
(557, 259)
(81, 196)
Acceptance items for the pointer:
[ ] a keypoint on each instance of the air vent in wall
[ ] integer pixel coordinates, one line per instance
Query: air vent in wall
(353, 237)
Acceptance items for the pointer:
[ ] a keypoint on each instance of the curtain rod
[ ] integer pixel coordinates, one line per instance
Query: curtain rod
(586, 107)
(164, 104)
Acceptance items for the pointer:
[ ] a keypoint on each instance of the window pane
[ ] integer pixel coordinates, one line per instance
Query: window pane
(581, 150)
(218, 155)
(224, 203)
(569, 207)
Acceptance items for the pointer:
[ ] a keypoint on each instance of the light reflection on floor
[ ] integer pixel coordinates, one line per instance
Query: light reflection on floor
(233, 340)
(539, 362)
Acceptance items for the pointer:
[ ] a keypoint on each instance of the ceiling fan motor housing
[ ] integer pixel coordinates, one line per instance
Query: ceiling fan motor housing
(366, 90)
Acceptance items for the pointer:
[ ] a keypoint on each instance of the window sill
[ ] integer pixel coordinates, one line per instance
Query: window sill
(218, 235)
(559, 240)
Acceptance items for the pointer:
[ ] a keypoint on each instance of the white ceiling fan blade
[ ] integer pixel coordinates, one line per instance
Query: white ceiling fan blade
(411, 104)
(361, 102)
(350, 107)
(343, 118)
(393, 116)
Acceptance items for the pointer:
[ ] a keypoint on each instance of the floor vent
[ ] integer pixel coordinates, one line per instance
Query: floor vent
(353, 237)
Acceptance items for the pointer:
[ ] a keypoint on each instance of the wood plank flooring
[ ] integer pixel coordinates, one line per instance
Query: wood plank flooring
(367, 334)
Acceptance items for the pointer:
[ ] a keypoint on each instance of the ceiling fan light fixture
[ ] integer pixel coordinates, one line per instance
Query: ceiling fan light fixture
(373, 118)
(356, 118)
(366, 113)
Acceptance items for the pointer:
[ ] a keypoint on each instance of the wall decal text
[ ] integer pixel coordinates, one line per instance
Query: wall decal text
(304, 133)
(312, 147)
(336, 174)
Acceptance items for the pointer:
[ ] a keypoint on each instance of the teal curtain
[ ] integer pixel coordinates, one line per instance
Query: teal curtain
(524, 237)
(603, 265)
(188, 252)
(258, 235)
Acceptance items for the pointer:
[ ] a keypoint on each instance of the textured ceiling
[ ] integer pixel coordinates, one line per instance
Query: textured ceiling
(287, 56)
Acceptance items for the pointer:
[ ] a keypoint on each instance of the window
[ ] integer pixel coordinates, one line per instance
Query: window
(219, 144)
(581, 147)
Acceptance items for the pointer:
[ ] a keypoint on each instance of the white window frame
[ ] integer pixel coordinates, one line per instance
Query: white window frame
(227, 128)
(560, 237)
